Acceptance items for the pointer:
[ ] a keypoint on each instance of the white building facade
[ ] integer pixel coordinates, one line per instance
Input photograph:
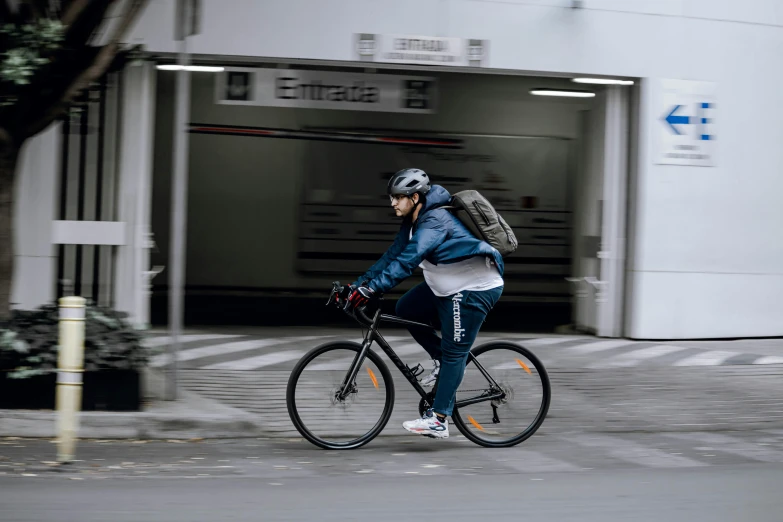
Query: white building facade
(651, 207)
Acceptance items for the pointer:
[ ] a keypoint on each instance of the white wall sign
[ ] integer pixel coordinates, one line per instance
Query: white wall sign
(684, 123)
(311, 89)
(421, 50)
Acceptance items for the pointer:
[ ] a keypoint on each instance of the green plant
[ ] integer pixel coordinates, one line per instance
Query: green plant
(29, 48)
(29, 342)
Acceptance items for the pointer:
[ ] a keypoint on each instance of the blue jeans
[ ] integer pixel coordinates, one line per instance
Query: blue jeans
(459, 318)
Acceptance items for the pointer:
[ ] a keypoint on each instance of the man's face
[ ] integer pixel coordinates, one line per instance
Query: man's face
(403, 205)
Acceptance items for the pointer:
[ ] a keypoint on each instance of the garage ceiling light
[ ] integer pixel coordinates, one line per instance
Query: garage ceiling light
(563, 93)
(602, 81)
(193, 68)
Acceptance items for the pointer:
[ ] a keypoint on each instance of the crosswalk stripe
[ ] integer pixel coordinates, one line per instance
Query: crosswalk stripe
(632, 452)
(235, 347)
(711, 358)
(534, 462)
(635, 357)
(405, 349)
(254, 363)
(155, 342)
(600, 346)
(732, 445)
(343, 362)
(545, 341)
(769, 359)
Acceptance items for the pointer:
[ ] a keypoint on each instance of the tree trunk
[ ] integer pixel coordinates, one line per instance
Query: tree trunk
(8, 159)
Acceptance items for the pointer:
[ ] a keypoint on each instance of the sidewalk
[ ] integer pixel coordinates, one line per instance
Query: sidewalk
(191, 416)
(232, 384)
(236, 404)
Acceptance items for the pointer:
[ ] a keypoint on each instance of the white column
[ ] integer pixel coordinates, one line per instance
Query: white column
(135, 173)
(35, 207)
(588, 214)
(613, 227)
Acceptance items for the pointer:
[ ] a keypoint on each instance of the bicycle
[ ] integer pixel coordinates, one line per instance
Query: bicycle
(343, 360)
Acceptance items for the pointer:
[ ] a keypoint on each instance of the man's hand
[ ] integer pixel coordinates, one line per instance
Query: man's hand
(359, 297)
(345, 291)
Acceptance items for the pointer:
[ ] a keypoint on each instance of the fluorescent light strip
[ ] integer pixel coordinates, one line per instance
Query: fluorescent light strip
(565, 94)
(602, 81)
(193, 68)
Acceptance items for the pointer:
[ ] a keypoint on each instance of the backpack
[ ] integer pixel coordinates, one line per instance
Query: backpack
(481, 218)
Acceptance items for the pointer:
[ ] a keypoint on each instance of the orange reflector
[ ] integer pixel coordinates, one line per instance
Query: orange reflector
(372, 376)
(523, 365)
(474, 423)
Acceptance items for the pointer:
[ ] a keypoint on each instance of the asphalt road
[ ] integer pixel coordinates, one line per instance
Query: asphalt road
(748, 494)
(571, 476)
(621, 443)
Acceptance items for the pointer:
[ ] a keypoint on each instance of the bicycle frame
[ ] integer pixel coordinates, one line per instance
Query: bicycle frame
(373, 335)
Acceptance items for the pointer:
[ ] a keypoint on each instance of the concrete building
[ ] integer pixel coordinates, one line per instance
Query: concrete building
(648, 207)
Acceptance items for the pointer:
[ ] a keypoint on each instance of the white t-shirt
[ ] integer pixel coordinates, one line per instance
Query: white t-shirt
(476, 273)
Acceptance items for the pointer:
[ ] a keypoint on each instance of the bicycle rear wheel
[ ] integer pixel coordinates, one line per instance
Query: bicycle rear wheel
(316, 408)
(510, 420)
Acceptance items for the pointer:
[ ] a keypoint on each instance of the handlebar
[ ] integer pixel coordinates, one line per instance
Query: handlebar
(337, 289)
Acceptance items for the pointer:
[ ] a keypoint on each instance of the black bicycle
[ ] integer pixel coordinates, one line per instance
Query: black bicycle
(340, 395)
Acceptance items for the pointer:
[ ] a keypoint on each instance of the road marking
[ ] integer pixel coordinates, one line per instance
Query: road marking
(600, 346)
(635, 357)
(235, 347)
(344, 362)
(769, 359)
(632, 452)
(155, 342)
(254, 363)
(545, 341)
(534, 462)
(710, 358)
(731, 445)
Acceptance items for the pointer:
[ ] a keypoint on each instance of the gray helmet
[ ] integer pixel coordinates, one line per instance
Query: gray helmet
(407, 182)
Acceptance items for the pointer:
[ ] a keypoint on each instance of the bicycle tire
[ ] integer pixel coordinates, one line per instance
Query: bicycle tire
(291, 396)
(543, 410)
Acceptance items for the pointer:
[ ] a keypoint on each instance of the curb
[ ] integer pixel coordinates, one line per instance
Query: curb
(130, 425)
(190, 417)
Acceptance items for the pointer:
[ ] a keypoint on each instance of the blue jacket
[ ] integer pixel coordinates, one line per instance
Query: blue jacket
(438, 236)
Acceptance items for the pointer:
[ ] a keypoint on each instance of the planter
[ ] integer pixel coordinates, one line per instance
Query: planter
(104, 390)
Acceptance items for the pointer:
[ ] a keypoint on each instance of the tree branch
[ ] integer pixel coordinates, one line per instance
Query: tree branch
(73, 10)
(79, 31)
(100, 63)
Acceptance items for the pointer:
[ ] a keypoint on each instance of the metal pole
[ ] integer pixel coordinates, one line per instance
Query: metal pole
(179, 209)
(70, 369)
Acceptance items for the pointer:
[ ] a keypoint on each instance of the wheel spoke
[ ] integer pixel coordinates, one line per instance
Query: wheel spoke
(515, 416)
(332, 415)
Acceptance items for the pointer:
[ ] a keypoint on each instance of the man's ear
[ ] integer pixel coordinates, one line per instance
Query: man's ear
(415, 198)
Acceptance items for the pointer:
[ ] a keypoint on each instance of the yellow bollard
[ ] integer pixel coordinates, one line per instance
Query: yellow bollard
(70, 369)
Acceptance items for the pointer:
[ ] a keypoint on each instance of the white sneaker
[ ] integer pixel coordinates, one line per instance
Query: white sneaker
(429, 426)
(429, 380)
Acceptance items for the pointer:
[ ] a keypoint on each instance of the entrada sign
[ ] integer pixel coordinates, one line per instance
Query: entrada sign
(313, 89)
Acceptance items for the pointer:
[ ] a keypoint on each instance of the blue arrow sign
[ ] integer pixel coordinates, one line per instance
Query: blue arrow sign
(673, 120)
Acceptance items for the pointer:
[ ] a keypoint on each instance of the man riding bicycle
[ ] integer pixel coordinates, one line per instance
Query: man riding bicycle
(463, 280)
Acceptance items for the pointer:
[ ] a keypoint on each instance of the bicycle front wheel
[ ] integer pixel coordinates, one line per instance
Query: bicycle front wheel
(334, 416)
(524, 383)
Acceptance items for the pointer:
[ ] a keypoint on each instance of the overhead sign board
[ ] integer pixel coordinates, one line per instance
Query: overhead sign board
(313, 89)
(421, 50)
(684, 123)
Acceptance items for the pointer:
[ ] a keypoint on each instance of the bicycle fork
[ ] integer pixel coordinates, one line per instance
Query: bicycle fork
(348, 384)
